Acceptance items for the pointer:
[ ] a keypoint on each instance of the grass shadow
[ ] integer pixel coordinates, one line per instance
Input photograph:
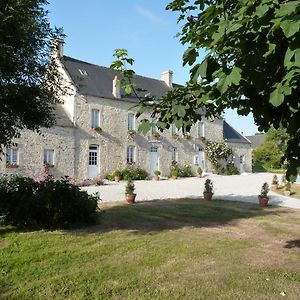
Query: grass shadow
(172, 214)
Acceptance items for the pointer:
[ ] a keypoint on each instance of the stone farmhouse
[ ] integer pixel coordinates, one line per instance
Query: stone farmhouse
(96, 131)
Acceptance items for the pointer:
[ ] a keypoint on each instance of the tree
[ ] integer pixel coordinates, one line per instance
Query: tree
(270, 154)
(252, 64)
(29, 80)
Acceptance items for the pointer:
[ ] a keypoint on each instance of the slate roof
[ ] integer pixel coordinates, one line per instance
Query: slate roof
(257, 140)
(233, 136)
(98, 81)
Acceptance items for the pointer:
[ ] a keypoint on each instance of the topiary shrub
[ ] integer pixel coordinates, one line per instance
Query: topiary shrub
(48, 204)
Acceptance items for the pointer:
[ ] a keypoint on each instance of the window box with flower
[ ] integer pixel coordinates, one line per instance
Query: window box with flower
(9, 165)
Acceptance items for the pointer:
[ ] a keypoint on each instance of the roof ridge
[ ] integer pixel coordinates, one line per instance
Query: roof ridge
(99, 66)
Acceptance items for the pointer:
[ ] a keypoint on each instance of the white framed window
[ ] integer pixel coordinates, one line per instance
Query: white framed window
(200, 129)
(130, 154)
(174, 129)
(174, 154)
(196, 160)
(49, 156)
(131, 121)
(95, 118)
(12, 156)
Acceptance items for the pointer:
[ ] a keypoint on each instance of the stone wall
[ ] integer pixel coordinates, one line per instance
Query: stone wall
(31, 148)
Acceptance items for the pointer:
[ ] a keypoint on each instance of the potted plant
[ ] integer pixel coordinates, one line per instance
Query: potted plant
(208, 190)
(174, 173)
(11, 165)
(129, 192)
(175, 136)
(117, 175)
(287, 189)
(156, 175)
(98, 129)
(131, 133)
(199, 172)
(263, 197)
(274, 185)
(156, 135)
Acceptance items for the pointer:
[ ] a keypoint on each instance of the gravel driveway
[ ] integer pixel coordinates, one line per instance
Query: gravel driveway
(243, 188)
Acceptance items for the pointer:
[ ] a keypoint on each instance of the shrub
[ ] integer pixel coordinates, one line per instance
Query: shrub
(186, 171)
(230, 170)
(157, 173)
(208, 186)
(117, 173)
(174, 172)
(48, 204)
(129, 190)
(275, 179)
(199, 171)
(264, 191)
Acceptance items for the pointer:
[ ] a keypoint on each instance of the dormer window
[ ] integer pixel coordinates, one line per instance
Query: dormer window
(131, 118)
(95, 118)
(200, 129)
(83, 72)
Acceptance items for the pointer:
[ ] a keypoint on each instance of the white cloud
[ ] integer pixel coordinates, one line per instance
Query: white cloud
(149, 15)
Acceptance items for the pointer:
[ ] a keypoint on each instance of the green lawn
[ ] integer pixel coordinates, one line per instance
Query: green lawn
(176, 249)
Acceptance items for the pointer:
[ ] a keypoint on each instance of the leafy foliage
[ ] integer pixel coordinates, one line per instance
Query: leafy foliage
(252, 64)
(208, 186)
(230, 170)
(264, 191)
(130, 187)
(270, 154)
(218, 152)
(29, 80)
(47, 204)
(134, 173)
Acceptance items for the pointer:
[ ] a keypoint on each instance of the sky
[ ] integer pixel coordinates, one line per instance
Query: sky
(95, 28)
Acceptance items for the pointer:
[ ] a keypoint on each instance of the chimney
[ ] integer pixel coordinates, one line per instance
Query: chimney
(116, 90)
(167, 77)
(57, 46)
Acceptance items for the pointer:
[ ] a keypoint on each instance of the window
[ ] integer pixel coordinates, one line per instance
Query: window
(184, 131)
(95, 118)
(12, 156)
(93, 155)
(131, 122)
(174, 154)
(130, 154)
(49, 157)
(200, 129)
(83, 72)
(173, 129)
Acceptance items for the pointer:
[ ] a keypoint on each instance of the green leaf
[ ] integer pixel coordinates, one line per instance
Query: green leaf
(288, 57)
(128, 89)
(190, 56)
(261, 10)
(291, 26)
(271, 50)
(297, 57)
(145, 126)
(276, 97)
(287, 8)
(235, 75)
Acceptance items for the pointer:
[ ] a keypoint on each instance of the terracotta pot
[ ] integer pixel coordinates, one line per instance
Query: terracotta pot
(207, 196)
(130, 198)
(174, 177)
(287, 193)
(156, 177)
(117, 178)
(263, 201)
(274, 187)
